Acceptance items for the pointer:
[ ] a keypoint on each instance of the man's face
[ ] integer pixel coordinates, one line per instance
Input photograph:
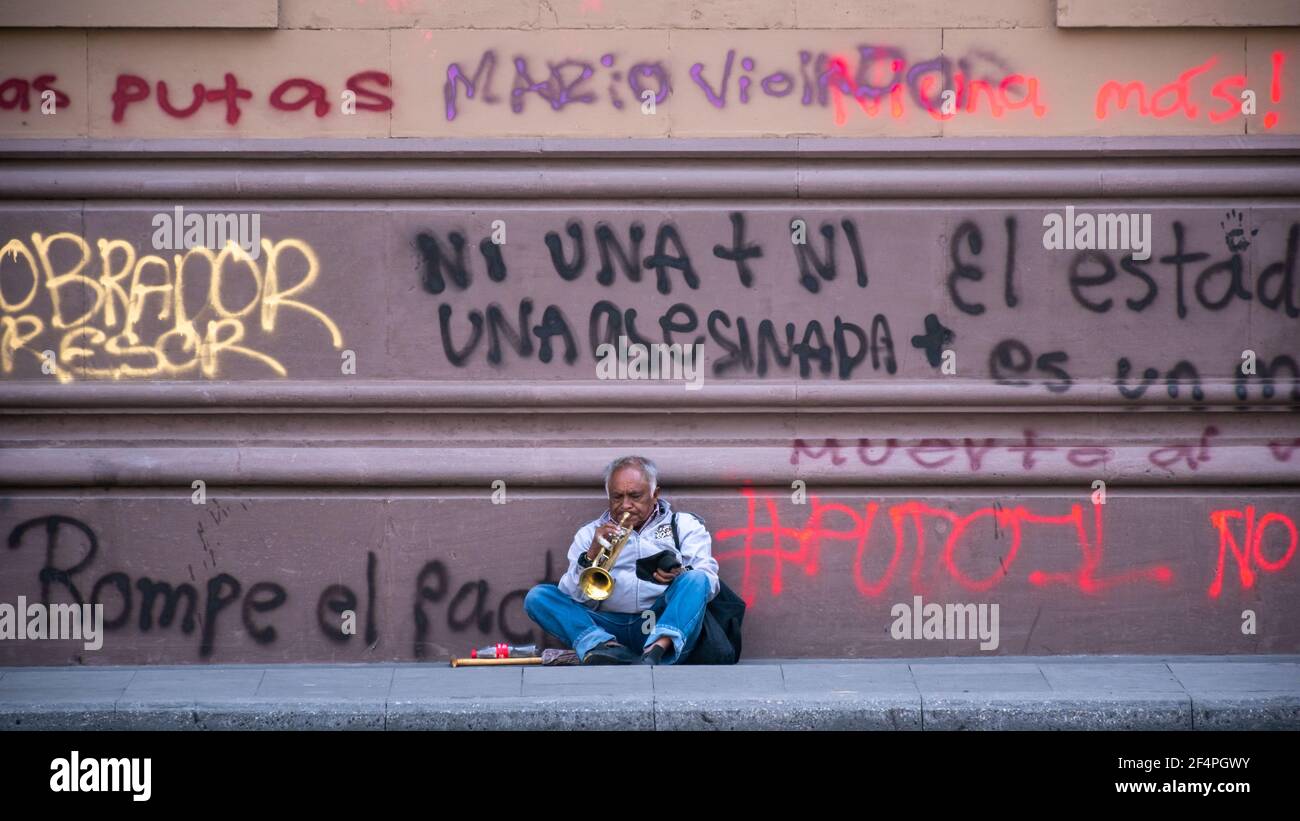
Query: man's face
(629, 490)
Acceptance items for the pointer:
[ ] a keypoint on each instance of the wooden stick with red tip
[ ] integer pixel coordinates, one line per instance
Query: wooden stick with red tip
(455, 662)
(550, 658)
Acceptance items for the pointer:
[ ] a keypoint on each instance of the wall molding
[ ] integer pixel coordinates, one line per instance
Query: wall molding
(598, 397)
(748, 147)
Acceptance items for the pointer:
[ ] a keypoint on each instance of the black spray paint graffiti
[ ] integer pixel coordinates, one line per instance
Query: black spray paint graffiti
(1090, 272)
(70, 547)
(340, 599)
(434, 583)
(1096, 283)
(847, 347)
(64, 535)
(440, 262)
(840, 349)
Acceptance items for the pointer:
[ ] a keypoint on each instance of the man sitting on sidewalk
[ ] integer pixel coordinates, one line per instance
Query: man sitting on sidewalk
(603, 632)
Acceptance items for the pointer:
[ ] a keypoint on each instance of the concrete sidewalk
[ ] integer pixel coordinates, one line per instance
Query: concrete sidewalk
(1045, 693)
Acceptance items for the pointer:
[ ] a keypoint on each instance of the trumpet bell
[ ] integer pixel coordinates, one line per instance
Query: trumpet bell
(596, 583)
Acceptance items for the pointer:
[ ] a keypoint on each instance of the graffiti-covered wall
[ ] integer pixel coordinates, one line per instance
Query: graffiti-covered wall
(924, 308)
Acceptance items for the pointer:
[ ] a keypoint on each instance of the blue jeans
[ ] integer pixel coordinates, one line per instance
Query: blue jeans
(679, 615)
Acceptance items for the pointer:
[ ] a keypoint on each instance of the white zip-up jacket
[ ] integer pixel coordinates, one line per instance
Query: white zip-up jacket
(632, 594)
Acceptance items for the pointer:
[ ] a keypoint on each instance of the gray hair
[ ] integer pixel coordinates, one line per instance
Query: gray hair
(640, 463)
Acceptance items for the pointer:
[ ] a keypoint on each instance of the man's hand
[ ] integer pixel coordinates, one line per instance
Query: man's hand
(667, 576)
(609, 531)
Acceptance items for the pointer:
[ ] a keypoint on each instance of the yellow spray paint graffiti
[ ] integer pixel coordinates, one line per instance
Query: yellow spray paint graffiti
(117, 335)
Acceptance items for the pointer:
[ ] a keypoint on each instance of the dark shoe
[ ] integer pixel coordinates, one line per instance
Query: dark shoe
(653, 656)
(609, 654)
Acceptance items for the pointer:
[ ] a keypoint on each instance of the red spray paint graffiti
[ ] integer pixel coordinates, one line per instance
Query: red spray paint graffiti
(801, 546)
(290, 95)
(769, 541)
(934, 453)
(1249, 551)
(1178, 96)
(1007, 93)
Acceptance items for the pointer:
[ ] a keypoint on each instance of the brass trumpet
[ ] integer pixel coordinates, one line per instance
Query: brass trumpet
(596, 582)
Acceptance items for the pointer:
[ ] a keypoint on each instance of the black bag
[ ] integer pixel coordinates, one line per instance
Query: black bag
(719, 640)
(664, 560)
